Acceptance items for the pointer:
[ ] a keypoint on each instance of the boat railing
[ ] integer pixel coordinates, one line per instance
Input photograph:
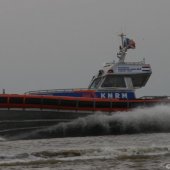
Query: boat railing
(71, 103)
(134, 63)
(155, 97)
(54, 90)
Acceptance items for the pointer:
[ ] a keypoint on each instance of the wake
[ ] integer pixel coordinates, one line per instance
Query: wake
(141, 120)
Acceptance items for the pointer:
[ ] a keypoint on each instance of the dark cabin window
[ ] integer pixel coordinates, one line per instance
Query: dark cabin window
(68, 103)
(139, 80)
(102, 104)
(16, 100)
(32, 101)
(95, 83)
(142, 104)
(50, 101)
(3, 99)
(114, 81)
(86, 104)
(119, 104)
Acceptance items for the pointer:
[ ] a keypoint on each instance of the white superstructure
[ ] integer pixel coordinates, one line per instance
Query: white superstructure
(122, 75)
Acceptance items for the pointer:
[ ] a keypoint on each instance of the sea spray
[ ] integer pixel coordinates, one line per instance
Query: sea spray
(141, 120)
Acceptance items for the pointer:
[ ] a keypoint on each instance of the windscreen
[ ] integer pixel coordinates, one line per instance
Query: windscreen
(114, 81)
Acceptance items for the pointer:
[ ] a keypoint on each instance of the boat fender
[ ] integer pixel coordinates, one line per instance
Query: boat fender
(110, 71)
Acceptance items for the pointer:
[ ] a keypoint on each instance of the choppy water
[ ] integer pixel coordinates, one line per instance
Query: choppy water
(137, 140)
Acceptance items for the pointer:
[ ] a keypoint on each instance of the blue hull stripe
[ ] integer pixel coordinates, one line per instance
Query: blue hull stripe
(101, 94)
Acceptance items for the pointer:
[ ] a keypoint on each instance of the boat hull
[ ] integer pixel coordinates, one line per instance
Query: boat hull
(25, 113)
(15, 122)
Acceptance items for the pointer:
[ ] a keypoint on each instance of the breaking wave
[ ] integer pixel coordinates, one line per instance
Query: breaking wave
(141, 120)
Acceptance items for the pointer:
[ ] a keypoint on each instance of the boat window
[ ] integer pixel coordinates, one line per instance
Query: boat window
(114, 81)
(68, 103)
(3, 99)
(32, 101)
(86, 104)
(16, 100)
(95, 83)
(136, 104)
(102, 104)
(139, 80)
(119, 104)
(50, 102)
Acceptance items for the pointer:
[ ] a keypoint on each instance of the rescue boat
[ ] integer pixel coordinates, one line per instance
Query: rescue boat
(112, 89)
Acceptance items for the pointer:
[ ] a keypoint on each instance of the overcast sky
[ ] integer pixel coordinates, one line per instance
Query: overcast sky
(47, 44)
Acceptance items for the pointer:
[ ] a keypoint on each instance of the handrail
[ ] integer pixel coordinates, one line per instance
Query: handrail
(155, 97)
(54, 90)
(135, 63)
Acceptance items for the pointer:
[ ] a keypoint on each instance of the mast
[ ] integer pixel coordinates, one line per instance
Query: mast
(122, 37)
(126, 44)
(122, 49)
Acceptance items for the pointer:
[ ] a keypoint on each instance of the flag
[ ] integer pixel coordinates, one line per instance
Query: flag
(129, 43)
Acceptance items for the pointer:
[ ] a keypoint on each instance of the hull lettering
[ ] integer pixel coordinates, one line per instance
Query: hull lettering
(113, 95)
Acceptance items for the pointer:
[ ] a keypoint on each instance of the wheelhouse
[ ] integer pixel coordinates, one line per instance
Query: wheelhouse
(108, 81)
(120, 81)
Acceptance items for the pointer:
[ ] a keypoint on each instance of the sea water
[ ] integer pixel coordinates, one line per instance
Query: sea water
(138, 139)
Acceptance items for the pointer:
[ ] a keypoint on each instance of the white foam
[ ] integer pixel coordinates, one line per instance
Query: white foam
(140, 120)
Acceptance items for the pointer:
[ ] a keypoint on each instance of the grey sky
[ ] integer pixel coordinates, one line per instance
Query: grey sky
(47, 44)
